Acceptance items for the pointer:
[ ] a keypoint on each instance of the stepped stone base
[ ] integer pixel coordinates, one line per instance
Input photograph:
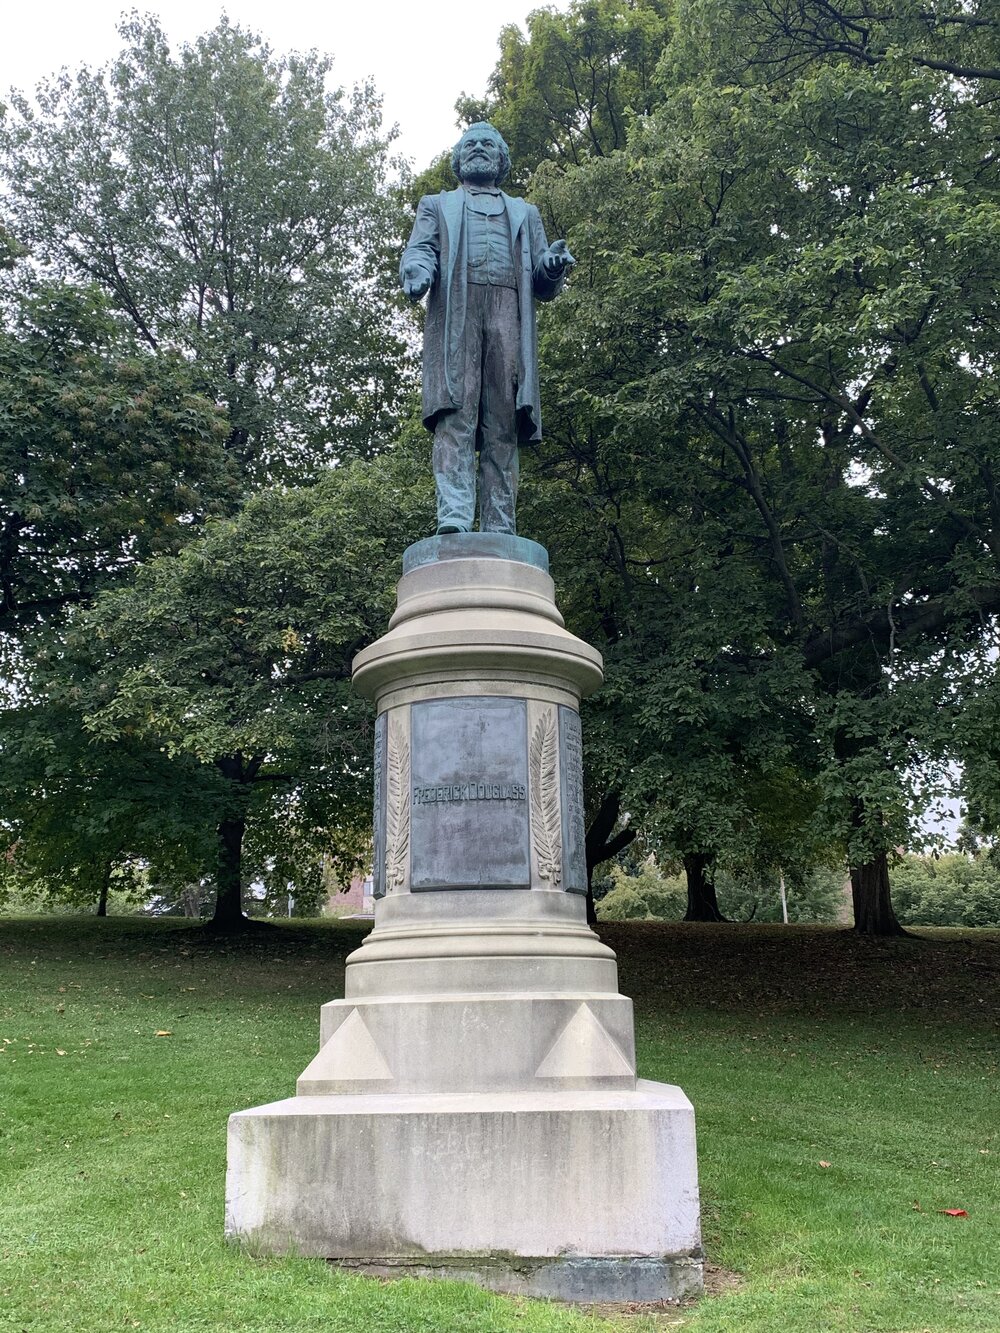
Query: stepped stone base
(473, 1043)
(574, 1195)
(473, 1110)
(628, 1278)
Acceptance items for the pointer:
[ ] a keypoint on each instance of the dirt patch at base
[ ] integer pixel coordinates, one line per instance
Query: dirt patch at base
(671, 1313)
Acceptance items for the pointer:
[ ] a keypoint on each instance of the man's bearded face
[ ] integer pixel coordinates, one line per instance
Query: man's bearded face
(479, 158)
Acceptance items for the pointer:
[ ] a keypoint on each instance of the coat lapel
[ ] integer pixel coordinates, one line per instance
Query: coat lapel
(452, 206)
(452, 213)
(517, 211)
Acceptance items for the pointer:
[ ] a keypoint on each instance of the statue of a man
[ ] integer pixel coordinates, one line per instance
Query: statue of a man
(483, 257)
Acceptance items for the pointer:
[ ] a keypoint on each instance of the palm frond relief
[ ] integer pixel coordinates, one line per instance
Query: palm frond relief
(546, 831)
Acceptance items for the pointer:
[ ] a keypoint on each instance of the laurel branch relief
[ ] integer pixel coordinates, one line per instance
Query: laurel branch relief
(397, 814)
(546, 827)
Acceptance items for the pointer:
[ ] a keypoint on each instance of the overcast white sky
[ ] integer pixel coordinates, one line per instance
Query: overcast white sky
(421, 56)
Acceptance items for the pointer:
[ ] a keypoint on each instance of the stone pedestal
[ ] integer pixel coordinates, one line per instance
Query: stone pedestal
(473, 1109)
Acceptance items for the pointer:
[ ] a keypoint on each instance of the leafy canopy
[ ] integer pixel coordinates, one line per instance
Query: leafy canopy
(234, 210)
(236, 656)
(769, 398)
(108, 454)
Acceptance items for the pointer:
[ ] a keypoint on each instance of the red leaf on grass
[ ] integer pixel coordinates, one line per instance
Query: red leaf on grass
(953, 1212)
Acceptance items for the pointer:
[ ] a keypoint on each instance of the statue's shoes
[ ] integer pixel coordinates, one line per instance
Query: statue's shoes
(447, 529)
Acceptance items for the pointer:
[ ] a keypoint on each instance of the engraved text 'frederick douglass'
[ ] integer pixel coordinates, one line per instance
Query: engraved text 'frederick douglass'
(471, 791)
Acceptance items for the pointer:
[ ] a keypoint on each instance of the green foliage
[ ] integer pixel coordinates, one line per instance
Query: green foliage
(10, 251)
(216, 686)
(79, 816)
(950, 890)
(216, 651)
(814, 895)
(235, 656)
(566, 91)
(647, 896)
(978, 748)
(435, 178)
(774, 466)
(236, 211)
(219, 314)
(18, 899)
(193, 900)
(107, 453)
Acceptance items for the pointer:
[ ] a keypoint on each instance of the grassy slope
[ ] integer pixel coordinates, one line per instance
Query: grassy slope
(797, 1046)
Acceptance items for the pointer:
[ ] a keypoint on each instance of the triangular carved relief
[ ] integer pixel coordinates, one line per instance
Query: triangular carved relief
(350, 1055)
(584, 1050)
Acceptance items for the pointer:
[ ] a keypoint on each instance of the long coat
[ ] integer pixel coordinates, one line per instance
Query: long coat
(438, 246)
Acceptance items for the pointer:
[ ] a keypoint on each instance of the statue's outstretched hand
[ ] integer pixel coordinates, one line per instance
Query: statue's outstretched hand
(416, 281)
(558, 259)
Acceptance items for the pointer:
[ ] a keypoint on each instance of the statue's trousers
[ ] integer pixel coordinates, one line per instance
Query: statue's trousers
(486, 423)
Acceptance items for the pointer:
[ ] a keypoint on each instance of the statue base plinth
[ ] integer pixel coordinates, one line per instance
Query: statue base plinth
(584, 1196)
(473, 1110)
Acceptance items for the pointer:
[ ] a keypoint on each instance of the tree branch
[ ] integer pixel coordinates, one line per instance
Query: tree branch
(920, 619)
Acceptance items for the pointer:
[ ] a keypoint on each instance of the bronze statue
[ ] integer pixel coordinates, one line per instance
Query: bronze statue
(483, 257)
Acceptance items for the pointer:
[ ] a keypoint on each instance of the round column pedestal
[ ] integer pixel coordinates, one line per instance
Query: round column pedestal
(473, 1109)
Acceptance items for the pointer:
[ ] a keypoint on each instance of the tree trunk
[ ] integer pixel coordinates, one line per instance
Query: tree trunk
(873, 911)
(229, 888)
(591, 905)
(191, 902)
(601, 846)
(702, 903)
(102, 901)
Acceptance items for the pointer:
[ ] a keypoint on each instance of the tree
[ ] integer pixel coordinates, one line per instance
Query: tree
(653, 895)
(81, 818)
(107, 454)
(233, 211)
(566, 91)
(237, 220)
(785, 298)
(704, 754)
(959, 40)
(233, 659)
(812, 894)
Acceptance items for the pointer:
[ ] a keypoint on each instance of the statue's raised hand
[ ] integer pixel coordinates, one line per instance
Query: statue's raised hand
(416, 281)
(558, 259)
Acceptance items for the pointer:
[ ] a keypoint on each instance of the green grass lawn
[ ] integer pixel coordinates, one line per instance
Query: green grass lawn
(845, 1093)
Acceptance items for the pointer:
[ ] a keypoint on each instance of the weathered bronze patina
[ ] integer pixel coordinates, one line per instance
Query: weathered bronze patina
(483, 258)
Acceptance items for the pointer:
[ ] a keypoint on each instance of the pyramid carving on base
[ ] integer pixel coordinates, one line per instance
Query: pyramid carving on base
(350, 1054)
(583, 1050)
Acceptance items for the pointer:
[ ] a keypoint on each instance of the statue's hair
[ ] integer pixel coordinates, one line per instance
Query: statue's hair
(504, 150)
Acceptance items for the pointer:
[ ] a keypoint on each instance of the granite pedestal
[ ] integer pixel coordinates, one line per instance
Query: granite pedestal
(473, 1109)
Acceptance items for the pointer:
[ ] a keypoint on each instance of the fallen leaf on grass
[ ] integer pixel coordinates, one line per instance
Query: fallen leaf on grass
(163, 1032)
(953, 1212)
(826, 1163)
(59, 1052)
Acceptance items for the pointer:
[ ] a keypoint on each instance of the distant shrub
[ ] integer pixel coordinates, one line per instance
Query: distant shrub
(952, 890)
(814, 896)
(648, 896)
